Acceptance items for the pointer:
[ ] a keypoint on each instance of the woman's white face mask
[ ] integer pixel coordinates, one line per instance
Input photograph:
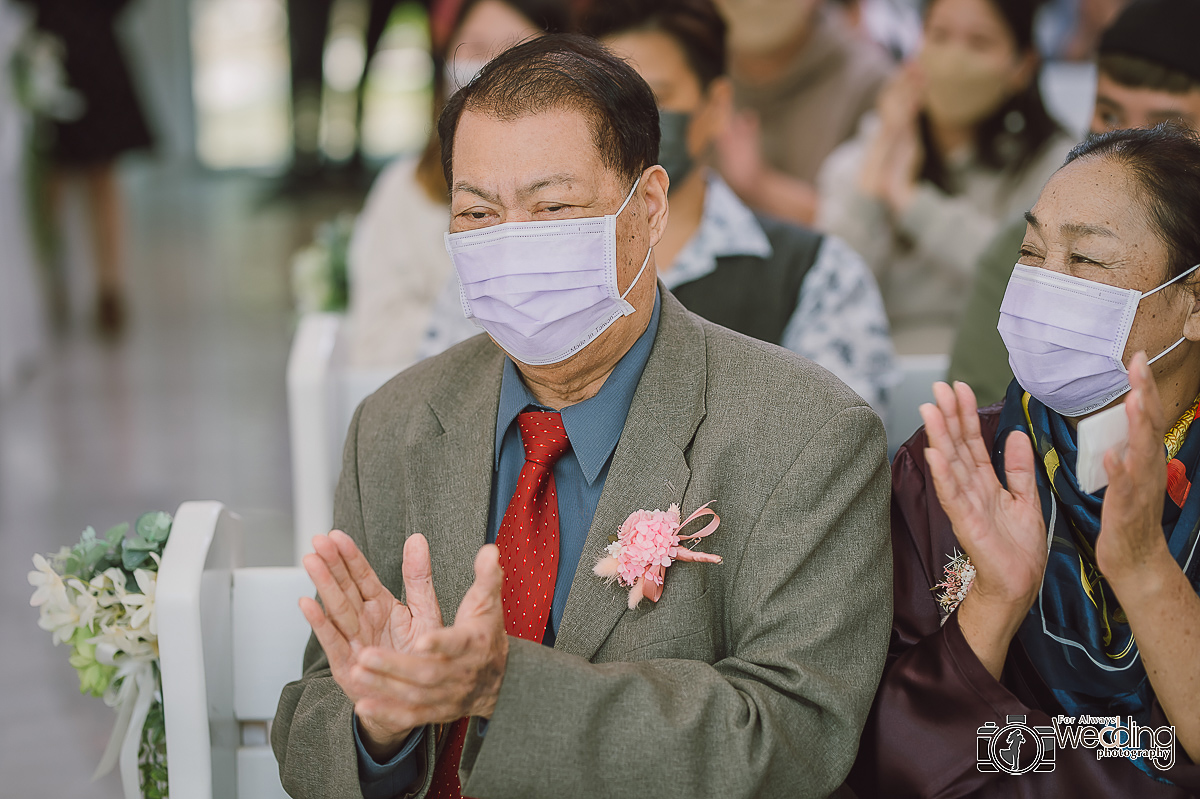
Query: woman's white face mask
(1066, 337)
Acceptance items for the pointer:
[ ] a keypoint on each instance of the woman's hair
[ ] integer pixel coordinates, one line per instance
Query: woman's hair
(695, 25)
(552, 16)
(1164, 162)
(1011, 137)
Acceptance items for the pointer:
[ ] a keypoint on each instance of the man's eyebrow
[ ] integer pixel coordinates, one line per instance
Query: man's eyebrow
(562, 179)
(483, 194)
(1031, 219)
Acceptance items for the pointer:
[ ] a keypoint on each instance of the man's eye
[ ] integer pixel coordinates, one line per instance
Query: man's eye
(477, 215)
(554, 209)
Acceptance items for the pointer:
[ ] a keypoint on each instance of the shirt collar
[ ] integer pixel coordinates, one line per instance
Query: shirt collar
(594, 426)
(727, 227)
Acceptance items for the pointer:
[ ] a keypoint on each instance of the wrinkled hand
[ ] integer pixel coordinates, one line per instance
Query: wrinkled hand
(1001, 530)
(1131, 538)
(449, 672)
(361, 618)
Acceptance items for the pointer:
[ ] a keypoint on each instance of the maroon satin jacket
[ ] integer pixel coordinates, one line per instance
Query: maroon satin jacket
(922, 737)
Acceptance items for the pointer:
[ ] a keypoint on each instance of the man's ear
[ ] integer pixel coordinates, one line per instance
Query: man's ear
(653, 189)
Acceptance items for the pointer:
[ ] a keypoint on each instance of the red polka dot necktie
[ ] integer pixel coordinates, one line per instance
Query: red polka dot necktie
(528, 542)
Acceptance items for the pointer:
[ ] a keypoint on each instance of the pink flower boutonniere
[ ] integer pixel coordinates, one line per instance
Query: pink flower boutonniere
(646, 544)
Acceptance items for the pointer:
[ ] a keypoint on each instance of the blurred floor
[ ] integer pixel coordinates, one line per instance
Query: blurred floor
(191, 405)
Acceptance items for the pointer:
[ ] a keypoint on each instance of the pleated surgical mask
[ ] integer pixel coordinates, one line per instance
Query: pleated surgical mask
(543, 290)
(1066, 337)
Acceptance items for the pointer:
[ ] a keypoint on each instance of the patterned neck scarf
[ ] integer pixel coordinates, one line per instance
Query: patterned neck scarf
(1076, 634)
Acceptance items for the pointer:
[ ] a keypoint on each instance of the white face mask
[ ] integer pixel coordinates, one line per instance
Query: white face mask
(542, 290)
(1066, 337)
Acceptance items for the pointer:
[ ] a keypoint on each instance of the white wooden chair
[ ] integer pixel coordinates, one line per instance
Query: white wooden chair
(323, 391)
(230, 638)
(919, 373)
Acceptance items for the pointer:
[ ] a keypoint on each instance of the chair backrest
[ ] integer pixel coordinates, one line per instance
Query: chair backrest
(230, 638)
(919, 373)
(323, 391)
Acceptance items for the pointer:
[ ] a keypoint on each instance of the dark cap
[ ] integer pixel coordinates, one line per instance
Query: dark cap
(1162, 32)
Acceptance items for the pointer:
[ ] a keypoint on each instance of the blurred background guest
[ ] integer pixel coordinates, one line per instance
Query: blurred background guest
(1069, 30)
(83, 150)
(802, 80)
(757, 275)
(960, 141)
(893, 24)
(308, 27)
(397, 260)
(1149, 73)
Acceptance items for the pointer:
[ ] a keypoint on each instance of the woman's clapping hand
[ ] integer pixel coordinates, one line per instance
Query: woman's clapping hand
(1002, 530)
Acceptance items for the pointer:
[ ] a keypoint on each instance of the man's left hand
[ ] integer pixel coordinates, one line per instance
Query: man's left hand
(450, 672)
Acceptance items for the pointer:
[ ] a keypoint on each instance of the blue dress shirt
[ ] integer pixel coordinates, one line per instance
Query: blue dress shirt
(593, 427)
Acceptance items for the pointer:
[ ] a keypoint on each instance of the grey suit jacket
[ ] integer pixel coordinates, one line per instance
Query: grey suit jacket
(748, 678)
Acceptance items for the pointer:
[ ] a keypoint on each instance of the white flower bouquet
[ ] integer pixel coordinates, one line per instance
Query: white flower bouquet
(98, 597)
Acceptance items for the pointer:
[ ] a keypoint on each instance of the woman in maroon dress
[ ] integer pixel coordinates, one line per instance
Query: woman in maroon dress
(1022, 671)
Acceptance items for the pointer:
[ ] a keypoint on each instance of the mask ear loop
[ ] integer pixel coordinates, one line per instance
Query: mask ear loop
(1180, 276)
(629, 197)
(629, 308)
(635, 279)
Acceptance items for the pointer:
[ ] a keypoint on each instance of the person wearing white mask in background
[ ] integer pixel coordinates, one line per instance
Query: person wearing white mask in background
(961, 141)
(757, 275)
(1069, 604)
(397, 259)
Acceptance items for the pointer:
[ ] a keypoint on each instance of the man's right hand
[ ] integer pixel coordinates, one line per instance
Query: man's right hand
(359, 612)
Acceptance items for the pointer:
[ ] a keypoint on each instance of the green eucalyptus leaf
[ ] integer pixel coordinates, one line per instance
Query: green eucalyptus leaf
(132, 559)
(141, 544)
(154, 526)
(116, 533)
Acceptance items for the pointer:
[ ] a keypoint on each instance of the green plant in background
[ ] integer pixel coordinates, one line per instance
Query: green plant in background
(99, 597)
(320, 278)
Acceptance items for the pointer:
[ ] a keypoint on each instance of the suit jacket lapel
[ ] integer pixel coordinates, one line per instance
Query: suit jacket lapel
(449, 474)
(648, 469)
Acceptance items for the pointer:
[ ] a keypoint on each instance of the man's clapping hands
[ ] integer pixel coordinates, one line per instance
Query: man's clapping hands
(399, 665)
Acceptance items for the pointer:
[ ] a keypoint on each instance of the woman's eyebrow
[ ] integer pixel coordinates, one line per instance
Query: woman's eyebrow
(1073, 229)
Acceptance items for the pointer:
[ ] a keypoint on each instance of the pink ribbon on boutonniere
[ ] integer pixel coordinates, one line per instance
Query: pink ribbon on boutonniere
(646, 543)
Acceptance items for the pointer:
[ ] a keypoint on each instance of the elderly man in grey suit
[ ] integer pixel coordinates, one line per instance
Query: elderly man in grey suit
(748, 677)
